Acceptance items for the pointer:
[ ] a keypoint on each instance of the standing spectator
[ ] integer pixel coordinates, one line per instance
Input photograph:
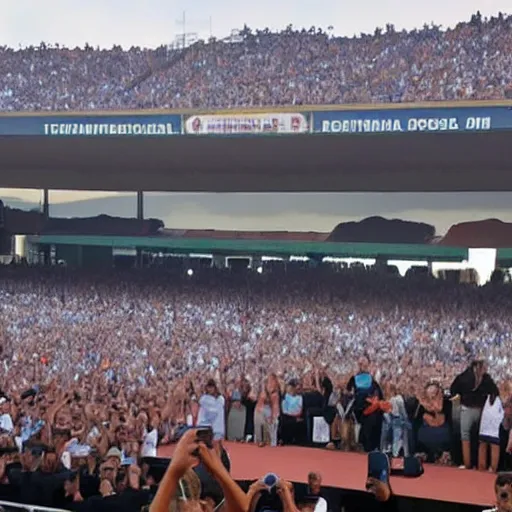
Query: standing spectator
(249, 403)
(364, 387)
(489, 433)
(236, 417)
(506, 429)
(212, 410)
(395, 426)
(291, 421)
(473, 386)
(6, 424)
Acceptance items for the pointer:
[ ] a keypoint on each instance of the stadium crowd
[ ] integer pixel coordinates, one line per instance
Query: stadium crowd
(99, 368)
(470, 61)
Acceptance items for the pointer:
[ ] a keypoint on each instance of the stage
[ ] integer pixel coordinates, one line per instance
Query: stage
(348, 471)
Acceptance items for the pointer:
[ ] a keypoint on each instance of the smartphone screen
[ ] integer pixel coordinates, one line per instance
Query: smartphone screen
(270, 480)
(205, 435)
(378, 466)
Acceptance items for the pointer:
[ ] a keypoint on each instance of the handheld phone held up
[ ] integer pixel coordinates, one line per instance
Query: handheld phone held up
(378, 467)
(205, 435)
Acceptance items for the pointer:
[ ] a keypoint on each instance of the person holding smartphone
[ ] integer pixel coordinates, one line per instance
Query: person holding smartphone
(271, 493)
(377, 484)
(191, 452)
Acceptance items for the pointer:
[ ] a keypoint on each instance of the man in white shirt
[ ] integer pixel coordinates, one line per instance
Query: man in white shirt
(150, 443)
(212, 411)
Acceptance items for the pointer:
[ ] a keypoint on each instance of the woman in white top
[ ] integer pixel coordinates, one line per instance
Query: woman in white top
(149, 435)
(212, 411)
(489, 434)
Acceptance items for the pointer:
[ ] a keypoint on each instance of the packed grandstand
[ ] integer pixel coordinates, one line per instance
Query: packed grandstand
(102, 367)
(100, 359)
(295, 67)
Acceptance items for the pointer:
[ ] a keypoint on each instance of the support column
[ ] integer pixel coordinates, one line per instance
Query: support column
(46, 203)
(140, 216)
(140, 205)
(46, 216)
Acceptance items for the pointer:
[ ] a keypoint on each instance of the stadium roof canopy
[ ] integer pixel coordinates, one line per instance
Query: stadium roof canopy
(460, 160)
(412, 252)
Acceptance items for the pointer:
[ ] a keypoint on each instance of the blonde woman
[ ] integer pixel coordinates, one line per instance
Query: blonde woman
(267, 412)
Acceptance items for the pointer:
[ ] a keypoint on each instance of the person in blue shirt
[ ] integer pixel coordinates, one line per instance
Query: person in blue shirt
(363, 386)
(292, 424)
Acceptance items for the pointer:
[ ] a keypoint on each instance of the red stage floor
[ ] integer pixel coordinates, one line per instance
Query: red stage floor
(348, 471)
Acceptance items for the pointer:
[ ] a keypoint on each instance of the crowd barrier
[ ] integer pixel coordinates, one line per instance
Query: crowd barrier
(339, 499)
(8, 506)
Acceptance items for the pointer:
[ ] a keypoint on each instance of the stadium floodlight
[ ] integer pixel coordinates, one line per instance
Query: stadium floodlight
(190, 272)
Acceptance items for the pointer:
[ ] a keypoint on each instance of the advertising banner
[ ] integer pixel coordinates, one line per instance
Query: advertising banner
(91, 126)
(395, 120)
(415, 120)
(247, 124)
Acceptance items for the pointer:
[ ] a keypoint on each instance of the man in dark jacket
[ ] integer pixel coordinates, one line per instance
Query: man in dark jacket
(472, 386)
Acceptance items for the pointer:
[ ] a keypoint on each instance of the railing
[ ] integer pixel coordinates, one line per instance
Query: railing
(7, 506)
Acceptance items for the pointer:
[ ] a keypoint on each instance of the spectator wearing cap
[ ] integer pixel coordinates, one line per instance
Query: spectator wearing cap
(236, 417)
(114, 456)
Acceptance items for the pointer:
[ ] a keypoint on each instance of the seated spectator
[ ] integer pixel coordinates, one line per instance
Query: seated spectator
(265, 68)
